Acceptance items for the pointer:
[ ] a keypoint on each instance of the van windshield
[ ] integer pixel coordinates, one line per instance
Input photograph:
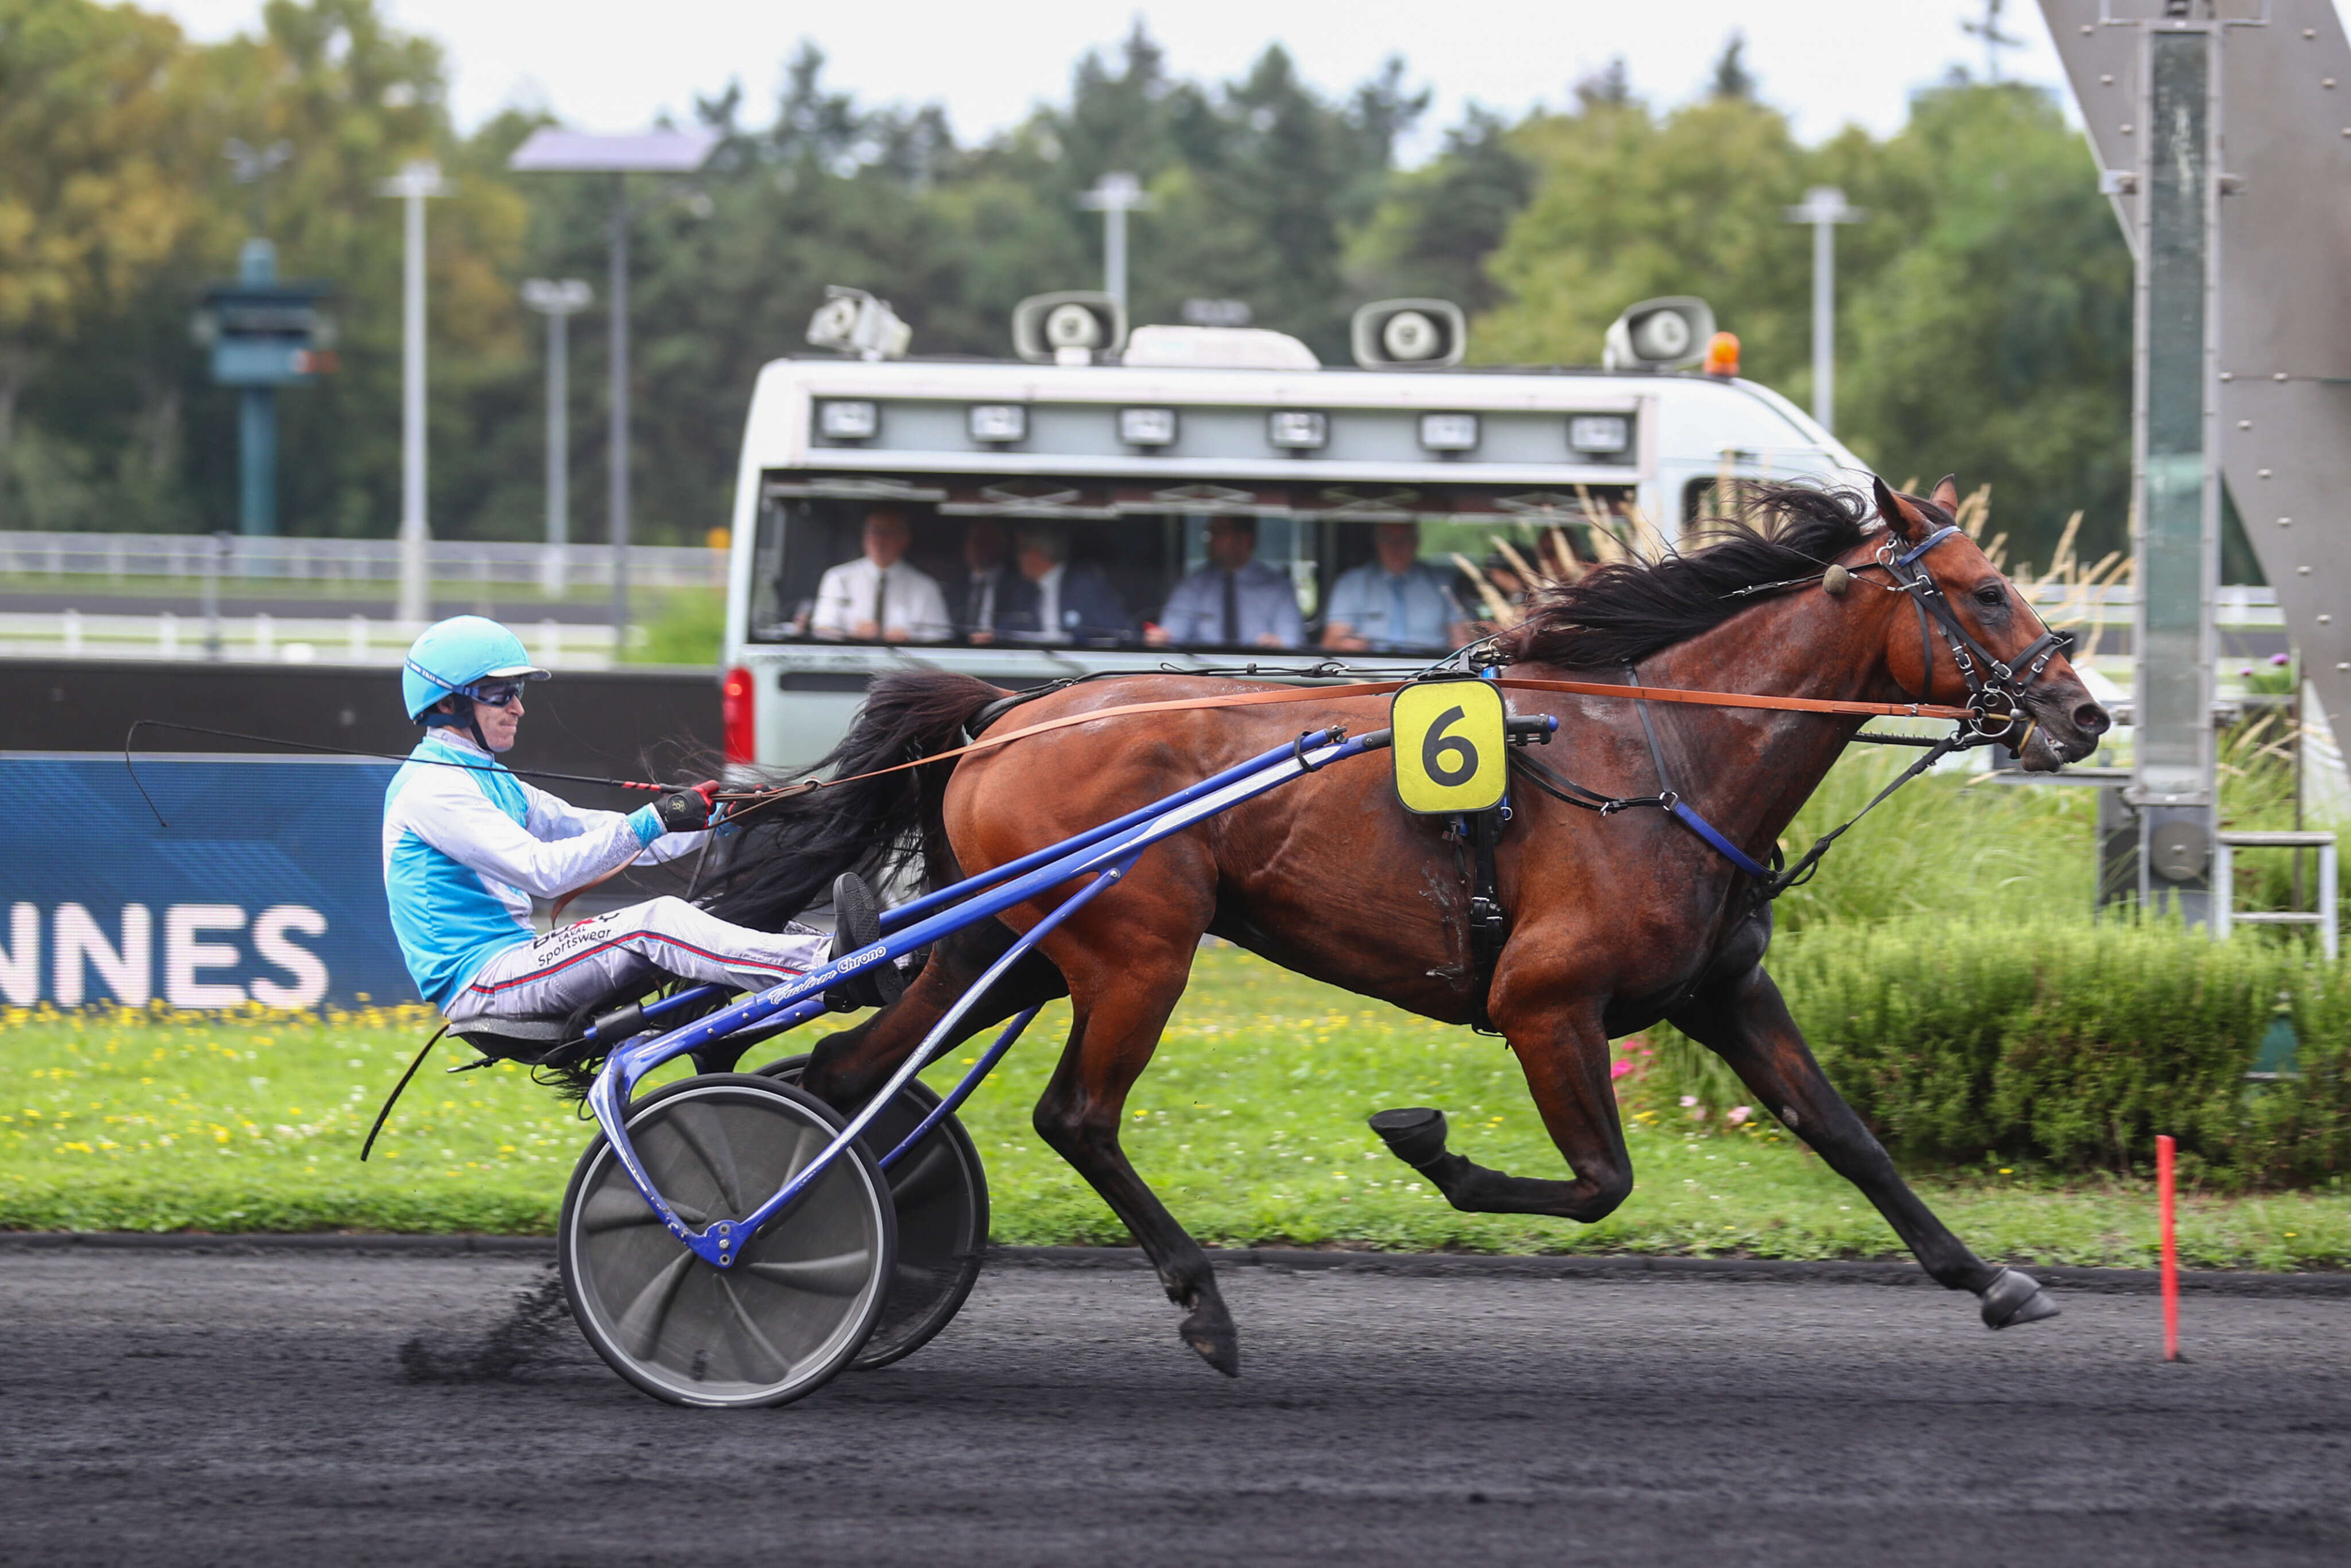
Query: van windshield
(1082, 563)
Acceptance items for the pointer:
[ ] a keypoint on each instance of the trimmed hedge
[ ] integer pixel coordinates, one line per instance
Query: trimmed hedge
(2073, 1045)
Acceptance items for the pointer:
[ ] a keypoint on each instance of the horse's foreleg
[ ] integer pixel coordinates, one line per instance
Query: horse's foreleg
(1122, 1003)
(1564, 1056)
(1746, 1023)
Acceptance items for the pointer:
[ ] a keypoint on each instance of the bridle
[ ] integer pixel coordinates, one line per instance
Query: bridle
(1996, 686)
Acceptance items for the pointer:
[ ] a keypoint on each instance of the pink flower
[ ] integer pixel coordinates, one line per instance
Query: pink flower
(1689, 1101)
(1738, 1114)
(1619, 1068)
(2281, 660)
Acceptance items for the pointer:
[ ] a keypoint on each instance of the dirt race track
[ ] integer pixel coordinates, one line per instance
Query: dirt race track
(189, 1407)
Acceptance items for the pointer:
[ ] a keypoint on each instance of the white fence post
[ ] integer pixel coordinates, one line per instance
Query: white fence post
(265, 635)
(358, 646)
(167, 635)
(72, 628)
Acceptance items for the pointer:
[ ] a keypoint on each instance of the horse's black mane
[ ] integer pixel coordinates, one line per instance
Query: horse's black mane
(1629, 610)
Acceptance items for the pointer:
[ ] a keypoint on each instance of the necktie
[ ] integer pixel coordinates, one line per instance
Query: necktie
(881, 600)
(1232, 609)
(1395, 612)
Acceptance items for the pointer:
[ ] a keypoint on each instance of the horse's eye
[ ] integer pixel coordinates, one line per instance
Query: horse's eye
(1991, 596)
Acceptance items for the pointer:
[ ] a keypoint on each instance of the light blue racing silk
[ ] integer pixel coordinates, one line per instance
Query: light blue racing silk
(466, 849)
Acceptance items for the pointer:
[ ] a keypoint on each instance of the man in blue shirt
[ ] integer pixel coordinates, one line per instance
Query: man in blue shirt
(1394, 602)
(1235, 601)
(467, 846)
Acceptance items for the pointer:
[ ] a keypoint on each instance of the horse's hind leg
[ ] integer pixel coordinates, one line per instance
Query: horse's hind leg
(1122, 990)
(847, 1067)
(1746, 1023)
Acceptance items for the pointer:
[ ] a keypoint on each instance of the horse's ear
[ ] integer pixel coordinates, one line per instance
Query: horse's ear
(1947, 493)
(1902, 519)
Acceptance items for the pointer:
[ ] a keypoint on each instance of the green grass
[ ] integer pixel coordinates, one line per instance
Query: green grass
(682, 626)
(1250, 1124)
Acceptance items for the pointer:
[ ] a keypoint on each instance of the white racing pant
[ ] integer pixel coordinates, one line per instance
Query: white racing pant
(571, 966)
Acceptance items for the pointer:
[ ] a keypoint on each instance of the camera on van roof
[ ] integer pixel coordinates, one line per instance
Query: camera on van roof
(851, 321)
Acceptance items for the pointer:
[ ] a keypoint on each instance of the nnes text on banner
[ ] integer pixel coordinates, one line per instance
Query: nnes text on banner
(267, 885)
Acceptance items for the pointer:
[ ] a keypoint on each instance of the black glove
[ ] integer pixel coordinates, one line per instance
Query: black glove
(684, 810)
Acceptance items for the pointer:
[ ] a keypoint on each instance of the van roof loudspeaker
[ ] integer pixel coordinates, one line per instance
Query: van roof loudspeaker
(1667, 334)
(852, 323)
(1074, 328)
(1408, 335)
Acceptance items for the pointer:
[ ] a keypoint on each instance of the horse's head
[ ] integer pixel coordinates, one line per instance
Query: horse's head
(1974, 641)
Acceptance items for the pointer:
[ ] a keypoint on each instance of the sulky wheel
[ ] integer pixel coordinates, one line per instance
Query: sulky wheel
(803, 1294)
(941, 1195)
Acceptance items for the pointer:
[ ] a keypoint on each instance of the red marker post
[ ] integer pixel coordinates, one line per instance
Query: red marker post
(2163, 1210)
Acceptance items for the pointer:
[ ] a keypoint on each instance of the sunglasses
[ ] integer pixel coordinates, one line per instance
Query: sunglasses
(496, 694)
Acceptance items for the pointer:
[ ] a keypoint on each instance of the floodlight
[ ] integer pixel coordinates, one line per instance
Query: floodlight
(1599, 433)
(1147, 426)
(1297, 429)
(995, 423)
(549, 151)
(848, 419)
(1448, 432)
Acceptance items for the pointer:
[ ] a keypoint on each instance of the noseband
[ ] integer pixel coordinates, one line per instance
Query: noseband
(1996, 687)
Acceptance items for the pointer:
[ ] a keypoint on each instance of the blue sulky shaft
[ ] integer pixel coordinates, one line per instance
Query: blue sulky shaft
(916, 909)
(1105, 853)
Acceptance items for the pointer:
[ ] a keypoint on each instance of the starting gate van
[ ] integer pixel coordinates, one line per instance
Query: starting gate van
(1208, 499)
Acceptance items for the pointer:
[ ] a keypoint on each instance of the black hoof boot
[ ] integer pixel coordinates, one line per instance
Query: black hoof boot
(1209, 1330)
(1415, 1135)
(857, 925)
(2012, 1298)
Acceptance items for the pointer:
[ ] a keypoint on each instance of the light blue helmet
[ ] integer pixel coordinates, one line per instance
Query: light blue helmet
(455, 655)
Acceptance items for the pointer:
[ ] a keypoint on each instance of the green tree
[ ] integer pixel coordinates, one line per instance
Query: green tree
(1990, 331)
(1436, 226)
(96, 176)
(1629, 207)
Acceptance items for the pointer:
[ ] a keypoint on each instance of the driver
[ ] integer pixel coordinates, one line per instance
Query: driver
(467, 847)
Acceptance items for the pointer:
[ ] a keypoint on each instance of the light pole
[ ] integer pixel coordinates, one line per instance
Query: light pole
(1114, 196)
(1825, 207)
(413, 184)
(559, 302)
(551, 152)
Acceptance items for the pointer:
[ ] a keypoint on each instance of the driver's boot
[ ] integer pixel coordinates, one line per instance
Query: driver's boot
(857, 925)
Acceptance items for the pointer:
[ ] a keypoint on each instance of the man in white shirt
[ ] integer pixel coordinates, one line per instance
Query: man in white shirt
(878, 598)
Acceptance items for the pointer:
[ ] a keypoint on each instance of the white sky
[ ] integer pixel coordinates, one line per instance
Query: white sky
(608, 65)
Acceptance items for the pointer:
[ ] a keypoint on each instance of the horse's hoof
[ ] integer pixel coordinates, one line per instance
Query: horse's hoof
(1210, 1332)
(2012, 1298)
(1415, 1135)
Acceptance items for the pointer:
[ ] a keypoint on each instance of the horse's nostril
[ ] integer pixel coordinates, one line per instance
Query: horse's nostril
(2091, 720)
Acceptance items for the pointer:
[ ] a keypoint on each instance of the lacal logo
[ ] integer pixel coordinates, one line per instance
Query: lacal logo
(204, 964)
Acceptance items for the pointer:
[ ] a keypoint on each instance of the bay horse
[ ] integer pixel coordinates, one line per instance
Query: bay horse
(1615, 922)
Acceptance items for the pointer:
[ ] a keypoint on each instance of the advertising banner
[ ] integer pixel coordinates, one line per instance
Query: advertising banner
(266, 886)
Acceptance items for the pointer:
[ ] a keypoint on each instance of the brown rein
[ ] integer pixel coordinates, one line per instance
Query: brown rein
(1380, 688)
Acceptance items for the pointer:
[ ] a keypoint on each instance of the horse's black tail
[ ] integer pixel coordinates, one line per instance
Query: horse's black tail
(787, 853)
